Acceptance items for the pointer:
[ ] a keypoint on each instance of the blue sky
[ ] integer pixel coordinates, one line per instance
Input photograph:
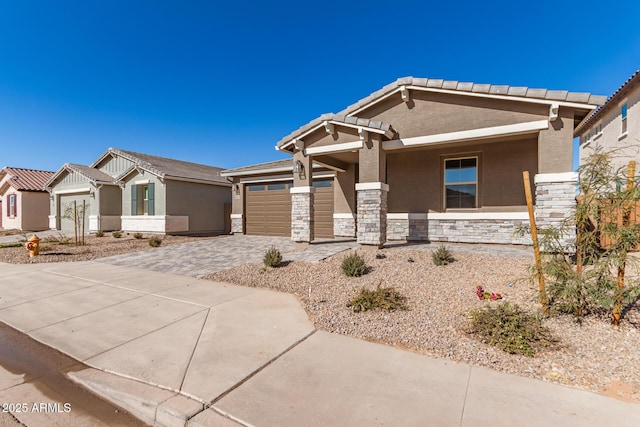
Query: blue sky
(221, 82)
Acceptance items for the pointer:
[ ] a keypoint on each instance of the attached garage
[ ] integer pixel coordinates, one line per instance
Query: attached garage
(268, 208)
(65, 206)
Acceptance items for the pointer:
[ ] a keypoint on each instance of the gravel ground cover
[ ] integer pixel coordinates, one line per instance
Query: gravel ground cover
(60, 249)
(594, 355)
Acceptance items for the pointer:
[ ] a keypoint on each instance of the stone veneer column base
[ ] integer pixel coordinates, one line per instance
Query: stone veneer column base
(344, 225)
(302, 214)
(556, 204)
(237, 224)
(372, 213)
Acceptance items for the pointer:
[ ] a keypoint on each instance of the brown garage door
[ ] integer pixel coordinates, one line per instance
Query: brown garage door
(268, 209)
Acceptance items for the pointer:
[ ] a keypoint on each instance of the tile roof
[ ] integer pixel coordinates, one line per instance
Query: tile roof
(286, 165)
(26, 179)
(469, 87)
(89, 172)
(613, 100)
(165, 167)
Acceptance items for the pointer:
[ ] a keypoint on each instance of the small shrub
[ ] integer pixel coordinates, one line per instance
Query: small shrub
(380, 255)
(137, 236)
(442, 256)
(509, 327)
(353, 265)
(116, 234)
(154, 241)
(382, 298)
(11, 245)
(99, 233)
(272, 257)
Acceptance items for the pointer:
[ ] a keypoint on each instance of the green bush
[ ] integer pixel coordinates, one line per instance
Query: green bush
(509, 327)
(353, 265)
(382, 298)
(442, 256)
(116, 234)
(154, 241)
(272, 257)
(137, 236)
(99, 233)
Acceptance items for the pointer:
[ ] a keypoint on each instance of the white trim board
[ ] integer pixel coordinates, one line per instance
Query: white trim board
(467, 135)
(460, 216)
(333, 148)
(556, 177)
(72, 191)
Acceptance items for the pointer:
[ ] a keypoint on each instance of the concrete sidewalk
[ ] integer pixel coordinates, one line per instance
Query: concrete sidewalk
(176, 350)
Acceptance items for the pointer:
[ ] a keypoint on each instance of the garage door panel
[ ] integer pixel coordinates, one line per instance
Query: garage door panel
(268, 210)
(66, 203)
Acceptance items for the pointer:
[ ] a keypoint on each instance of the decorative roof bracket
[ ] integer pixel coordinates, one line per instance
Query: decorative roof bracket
(404, 93)
(329, 127)
(363, 134)
(299, 144)
(553, 112)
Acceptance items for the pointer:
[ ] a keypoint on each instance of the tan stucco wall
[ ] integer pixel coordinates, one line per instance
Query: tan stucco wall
(203, 203)
(34, 210)
(373, 163)
(555, 145)
(344, 194)
(416, 178)
(623, 148)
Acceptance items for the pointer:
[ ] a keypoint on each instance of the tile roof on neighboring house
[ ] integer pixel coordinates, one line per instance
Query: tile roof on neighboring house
(612, 101)
(517, 92)
(94, 175)
(26, 179)
(171, 168)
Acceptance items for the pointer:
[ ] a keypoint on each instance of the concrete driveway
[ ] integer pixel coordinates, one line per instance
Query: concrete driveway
(198, 259)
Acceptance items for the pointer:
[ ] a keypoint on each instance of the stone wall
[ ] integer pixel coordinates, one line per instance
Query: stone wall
(466, 230)
(302, 215)
(237, 224)
(556, 203)
(372, 213)
(344, 225)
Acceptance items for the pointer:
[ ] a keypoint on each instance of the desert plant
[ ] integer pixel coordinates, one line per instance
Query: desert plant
(99, 233)
(353, 265)
(442, 256)
(381, 298)
(137, 236)
(510, 328)
(77, 213)
(116, 234)
(154, 241)
(272, 257)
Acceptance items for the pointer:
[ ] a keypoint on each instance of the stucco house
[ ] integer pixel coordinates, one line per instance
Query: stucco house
(615, 126)
(138, 192)
(24, 203)
(425, 159)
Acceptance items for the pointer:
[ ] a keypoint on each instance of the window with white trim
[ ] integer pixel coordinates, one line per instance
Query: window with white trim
(623, 116)
(11, 208)
(461, 183)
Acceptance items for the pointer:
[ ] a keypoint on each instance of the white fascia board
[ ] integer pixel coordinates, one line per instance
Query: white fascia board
(277, 178)
(479, 215)
(73, 190)
(372, 186)
(556, 177)
(302, 190)
(235, 216)
(336, 123)
(259, 171)
(333, 148)
(467, 135)
(141, 181)
(344, 216)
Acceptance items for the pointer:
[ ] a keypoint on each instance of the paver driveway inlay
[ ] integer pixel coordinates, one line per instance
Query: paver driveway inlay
(207, 256)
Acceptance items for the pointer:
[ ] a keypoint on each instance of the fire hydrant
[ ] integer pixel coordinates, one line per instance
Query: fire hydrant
(33, 246)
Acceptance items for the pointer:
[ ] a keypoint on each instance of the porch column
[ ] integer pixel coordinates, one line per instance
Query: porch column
(372, 192)
(556, 202)
(302, 201)
(237, 207)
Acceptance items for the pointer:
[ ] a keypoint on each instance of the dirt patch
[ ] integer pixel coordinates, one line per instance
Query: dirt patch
(590, 356)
